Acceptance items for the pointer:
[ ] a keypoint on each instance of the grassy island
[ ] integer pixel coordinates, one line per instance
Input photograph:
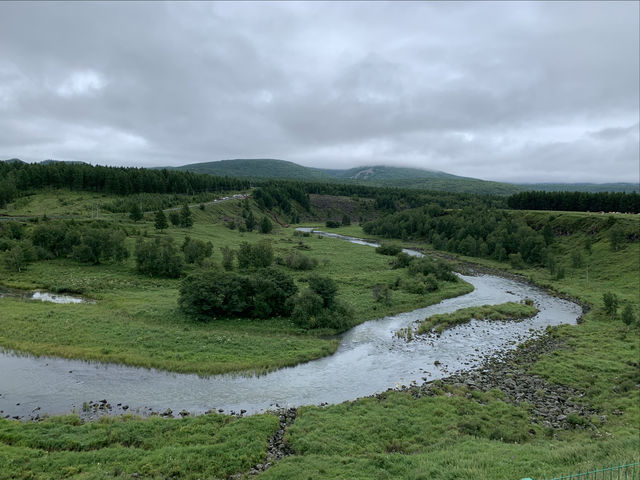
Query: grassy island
(505, 311)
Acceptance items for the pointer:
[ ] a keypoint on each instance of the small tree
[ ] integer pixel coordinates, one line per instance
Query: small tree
(616, 237)
(135, 213)
(250, 222)
(174, 218)
(382, 293)
(577, 260)
(185, 217)
(195, 251)
(610, 304)
(227, 258)
(628, 318)
(158, 258)
(548, 234)
(326, 288)
(346, 220)
(160, 221)
(19, 256)
(265, 225)
(258, 255)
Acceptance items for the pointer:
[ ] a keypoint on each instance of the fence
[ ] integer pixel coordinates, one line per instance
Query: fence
(628, 471)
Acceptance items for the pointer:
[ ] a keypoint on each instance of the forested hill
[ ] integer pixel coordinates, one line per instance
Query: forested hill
(17, 178)
(386, 176)
(382, 176)
(256, 168)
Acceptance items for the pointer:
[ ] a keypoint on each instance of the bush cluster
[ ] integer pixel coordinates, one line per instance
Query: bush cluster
(211, 293)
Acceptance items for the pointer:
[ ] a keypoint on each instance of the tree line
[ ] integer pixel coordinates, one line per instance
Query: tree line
(17, 178)
(576, 201)
(470, 231)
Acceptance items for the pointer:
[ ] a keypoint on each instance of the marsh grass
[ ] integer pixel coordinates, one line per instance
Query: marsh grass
(207, 446)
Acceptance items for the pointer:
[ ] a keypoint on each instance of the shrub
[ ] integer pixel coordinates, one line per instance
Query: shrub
(308, 308)
(389, 249)
(265, 225)
(135, 212)
(160, 221)
(186, 220)
(19, 256)
(616, 237)
(258, 255)
(195, 251)
(210, 293)
(577, 260)
(420, 284)
(250, 221)
(628, 318)
(332, 224)
(158, 258)
(515, 260)
(402, 260)
(382, 294)
(611, 303)
(96, 245)
(272, 291)
(174, 218)
(326, 288)
(298, 261)
(309, 312)
(425, 266)
(227, 258)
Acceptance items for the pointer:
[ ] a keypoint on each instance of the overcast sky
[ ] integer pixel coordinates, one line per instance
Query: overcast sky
(508, 91)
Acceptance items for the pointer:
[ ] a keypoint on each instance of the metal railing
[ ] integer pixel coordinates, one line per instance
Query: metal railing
(627, 471)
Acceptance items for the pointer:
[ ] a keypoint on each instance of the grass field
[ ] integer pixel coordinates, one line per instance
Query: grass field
(455, 435)
(135, 319)
(208, 446)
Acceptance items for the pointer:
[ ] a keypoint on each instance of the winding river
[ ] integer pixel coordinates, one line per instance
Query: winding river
(370, 359)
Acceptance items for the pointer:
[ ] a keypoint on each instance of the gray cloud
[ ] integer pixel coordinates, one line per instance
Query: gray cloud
(519, 91)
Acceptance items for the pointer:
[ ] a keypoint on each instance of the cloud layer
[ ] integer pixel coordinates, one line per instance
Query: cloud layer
(544, 91)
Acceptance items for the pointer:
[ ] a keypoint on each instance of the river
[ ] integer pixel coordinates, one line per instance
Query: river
(370, 359)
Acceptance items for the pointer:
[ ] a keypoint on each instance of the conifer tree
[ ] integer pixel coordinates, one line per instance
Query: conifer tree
(160, 221)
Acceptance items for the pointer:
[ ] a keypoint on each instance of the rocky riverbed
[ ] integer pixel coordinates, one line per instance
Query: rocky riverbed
(552, 405)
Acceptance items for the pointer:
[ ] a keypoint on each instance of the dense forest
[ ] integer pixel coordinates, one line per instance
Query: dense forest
(471, 231)
(576, 201)
(17, 178)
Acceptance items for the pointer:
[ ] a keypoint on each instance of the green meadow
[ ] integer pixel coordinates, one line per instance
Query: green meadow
(456, 434)
(135, 319)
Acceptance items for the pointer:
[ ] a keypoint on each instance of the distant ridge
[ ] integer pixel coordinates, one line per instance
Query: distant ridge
(256, 168)
(377, 175)
(581, 187)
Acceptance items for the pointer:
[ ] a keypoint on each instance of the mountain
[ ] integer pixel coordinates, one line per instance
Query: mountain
(256, 168)
(385, 176)
(370, 175)
(382, 172)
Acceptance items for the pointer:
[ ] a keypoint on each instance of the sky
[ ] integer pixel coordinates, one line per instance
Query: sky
(507, 91)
